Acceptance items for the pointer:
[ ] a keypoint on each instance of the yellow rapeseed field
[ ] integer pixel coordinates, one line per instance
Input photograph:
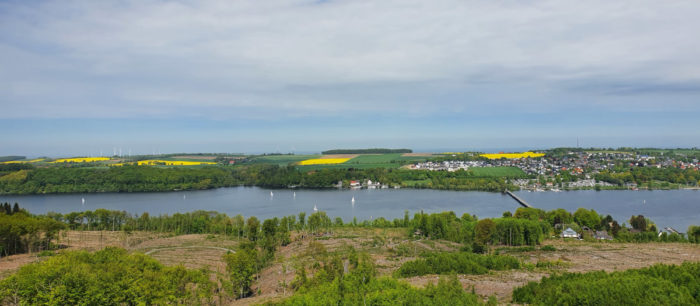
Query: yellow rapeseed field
(22, 161)
(80, 160)
(512, 155)
(153, 162)
(323, 161)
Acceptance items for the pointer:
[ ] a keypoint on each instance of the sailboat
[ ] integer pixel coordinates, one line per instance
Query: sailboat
(272, 194)
(295, 194)
(315, 209)
(83, 200)
(353, 201)
(184, 196)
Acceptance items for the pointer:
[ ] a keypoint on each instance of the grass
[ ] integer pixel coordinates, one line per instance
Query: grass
(384, 158)
(367, 161)
(497, 172)
(281, 160)
(348, 166)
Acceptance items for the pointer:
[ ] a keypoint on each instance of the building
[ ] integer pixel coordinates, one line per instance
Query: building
(569, 233)
(602, 235)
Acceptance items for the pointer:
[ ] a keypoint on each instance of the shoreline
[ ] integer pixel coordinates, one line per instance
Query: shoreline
(336, 188)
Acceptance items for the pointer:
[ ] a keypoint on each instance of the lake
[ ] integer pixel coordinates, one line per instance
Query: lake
(676, 208)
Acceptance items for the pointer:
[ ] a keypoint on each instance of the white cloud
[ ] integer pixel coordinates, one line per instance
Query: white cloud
(297, 58)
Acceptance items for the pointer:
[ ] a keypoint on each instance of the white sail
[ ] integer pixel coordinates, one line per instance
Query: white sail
(315, 209)
(83, 200)
(295, 194)
(272, 194)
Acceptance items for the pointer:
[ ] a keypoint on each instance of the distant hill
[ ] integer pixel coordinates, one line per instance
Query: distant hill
(10, 158)
(367, 151)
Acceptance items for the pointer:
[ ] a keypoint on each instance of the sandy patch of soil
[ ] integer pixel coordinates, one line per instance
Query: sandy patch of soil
(418, 154)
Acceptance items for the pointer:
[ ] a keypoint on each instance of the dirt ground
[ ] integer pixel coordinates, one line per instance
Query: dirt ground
(571, 256)
(389, 248)
(575, 256)
(418, 154)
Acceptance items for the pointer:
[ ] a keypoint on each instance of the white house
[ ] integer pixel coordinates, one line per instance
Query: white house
(569, 233)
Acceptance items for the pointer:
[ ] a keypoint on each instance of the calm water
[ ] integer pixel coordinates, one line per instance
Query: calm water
(676, 208)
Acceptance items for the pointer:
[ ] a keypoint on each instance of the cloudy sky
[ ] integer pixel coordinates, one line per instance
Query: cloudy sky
(80, 77)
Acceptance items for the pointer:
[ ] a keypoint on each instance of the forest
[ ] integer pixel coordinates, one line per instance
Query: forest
(31, 180)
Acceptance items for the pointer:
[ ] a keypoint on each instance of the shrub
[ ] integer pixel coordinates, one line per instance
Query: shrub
(462, 263)
(657, 285)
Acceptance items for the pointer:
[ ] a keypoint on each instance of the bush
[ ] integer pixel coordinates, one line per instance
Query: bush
(548, 248)
(462, 263)
(107, 277)
(657, 285)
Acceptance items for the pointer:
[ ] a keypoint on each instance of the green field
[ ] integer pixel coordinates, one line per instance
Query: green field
(384, 158)
(281, 160)
(497, 172)
(366, 161)
(348, 166)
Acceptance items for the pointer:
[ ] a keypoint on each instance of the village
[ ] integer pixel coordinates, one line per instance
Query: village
(578, 167)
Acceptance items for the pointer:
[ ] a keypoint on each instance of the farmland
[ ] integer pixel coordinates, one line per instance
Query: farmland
(153, 162)
(363, 161)
(280, 160)
(80, 160)
(512, 155)
(22, 161)
(384, 158)
(323, 161)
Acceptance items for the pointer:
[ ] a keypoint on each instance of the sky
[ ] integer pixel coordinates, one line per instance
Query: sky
(248, 76)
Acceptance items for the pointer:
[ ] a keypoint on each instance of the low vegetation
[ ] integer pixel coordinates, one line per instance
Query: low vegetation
(460, 263)
(107, 277)
(657, 285)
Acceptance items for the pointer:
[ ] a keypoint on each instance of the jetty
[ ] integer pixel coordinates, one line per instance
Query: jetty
(519, 200)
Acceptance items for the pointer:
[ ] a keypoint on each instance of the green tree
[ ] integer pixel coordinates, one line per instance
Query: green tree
(484, 231)
(585, 217)
(242, 267)
(253, 226)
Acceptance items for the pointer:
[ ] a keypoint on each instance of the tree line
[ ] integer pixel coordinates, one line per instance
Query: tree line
(22, 232)
(147, 178)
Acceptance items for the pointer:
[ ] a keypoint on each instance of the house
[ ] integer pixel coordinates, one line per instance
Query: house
(355, 185)
(569, 233)
(602, 235)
